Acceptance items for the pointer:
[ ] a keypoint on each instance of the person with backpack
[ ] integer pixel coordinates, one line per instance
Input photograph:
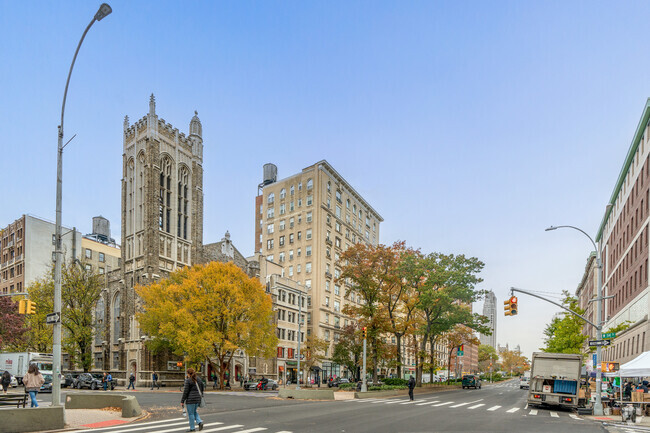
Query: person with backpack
(192, 396)
(411, 384)
(154, 380)
(6, 381)
(131, 382)
(109, 379)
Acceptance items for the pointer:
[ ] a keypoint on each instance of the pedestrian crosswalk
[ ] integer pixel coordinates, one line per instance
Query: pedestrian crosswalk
(178, 425)
(480, 404)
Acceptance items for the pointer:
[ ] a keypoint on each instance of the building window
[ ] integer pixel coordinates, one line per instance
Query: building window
(101, 271)
(308, 284)
(282, 209)
(117, 328)
(299, 202)
(269, 244)
(337, 306)
(338, 211)
(282, 225)
(270, 213)
(89, 268)
(347, 203)
(307, 234)
(338, 196)
(309, 214)
(165, 198)
(310, 184)
(327, 286)
(281, 241)
(291, 238)
(102, 258)
(299, 186)
(308, 250)
(291, 271)
(89, 253)
(290, 254)
(100, 312)
(271, 198)
(310, 200)
(269, 229)
(337, 289)
(338, 227)
(281, 257)
(183, 202)
(283, 193)
(292, 190)
(327, 301)
(291, 222)
(269, 258)
(298, 252)
(308, 268)
(299, 235)
(298, 268)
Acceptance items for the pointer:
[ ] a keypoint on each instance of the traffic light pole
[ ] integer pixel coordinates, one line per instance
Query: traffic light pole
(364, 384)
(513, 289)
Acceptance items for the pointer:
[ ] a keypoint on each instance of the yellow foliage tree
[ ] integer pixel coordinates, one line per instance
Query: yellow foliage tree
(209, 311)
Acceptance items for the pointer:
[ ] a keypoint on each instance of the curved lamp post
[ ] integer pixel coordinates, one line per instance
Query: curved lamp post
(103, 11)
(598, 407)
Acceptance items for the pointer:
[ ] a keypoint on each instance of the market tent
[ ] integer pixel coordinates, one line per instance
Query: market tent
(638, 367)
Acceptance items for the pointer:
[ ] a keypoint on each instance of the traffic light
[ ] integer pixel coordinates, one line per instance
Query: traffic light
(513, 305)
(365, 332)
(31, 307)
(506, 308)
(21, 306)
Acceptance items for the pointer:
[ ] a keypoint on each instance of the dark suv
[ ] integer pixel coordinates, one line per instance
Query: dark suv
(92, 381)
(471, 380)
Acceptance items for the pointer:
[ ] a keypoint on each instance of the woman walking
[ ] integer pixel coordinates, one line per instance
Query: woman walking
(192, 394)
(33, 381)
(6, 381)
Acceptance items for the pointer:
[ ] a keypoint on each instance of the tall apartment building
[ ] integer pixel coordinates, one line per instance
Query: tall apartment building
(623, 242)
(27, 252)
(490, 311)
(304, 222)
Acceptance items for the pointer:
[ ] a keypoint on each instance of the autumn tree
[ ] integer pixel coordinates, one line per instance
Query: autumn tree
(209, 311)
(370, 270)
(512, 361)
(12, 324)
(313, 351)
(487, 356)
(80, 290)
(458, 336)
(564, 333)
(348, 351)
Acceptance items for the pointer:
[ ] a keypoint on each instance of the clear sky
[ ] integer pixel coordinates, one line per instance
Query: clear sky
(470, 126)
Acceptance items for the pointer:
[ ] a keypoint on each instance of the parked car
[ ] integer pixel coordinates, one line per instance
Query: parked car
(47, 385)
(369, 383)
(471, 380)
(68, 380)
(92, 381)
(336, 382)
(256, 384)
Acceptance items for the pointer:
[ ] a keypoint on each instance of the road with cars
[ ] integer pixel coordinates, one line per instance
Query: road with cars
(493, 408)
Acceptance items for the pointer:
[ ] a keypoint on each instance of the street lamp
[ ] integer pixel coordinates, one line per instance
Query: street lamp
(103, 11)
(598, 407)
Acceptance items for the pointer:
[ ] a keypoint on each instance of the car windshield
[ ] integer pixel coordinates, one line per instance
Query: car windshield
(47, 377)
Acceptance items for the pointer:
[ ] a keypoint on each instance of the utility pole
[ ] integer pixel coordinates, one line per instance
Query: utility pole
(364, 384)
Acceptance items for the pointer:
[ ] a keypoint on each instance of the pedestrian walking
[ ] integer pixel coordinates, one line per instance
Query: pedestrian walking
(411, 385)
(215, 378)
(131, 382)
(105, 381)
(109, 379)
(154, 380)
(6, 381)
(192, 395)
(33, 381)
(241, 380)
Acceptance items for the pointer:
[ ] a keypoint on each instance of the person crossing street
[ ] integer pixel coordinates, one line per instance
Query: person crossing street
(411, 384)
(154, 380)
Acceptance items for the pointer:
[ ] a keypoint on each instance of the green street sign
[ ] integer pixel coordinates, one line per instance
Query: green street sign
(460, 353)
(609, 335)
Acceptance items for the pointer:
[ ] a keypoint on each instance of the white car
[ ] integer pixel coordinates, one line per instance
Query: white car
(524, 382)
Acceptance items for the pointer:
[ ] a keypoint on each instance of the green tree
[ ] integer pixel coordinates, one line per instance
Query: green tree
(564, 333)
(209, 311)
(487, 355)
(313, 350)
(513, 362)
(348, 351)
(80, 291)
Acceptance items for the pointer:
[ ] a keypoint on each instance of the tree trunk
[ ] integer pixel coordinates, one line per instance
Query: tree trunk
(420, 356)
(398, 339)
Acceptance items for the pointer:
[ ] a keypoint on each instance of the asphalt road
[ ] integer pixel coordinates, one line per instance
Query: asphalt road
(495, 408)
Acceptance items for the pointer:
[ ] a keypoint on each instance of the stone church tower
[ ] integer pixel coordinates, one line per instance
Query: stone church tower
(162, 230)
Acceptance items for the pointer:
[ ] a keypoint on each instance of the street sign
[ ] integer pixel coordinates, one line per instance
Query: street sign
(53, 318)
(460, 353)
(609, 334)
(595, 343)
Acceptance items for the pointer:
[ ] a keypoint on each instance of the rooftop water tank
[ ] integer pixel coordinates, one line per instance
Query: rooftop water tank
(101, 227)
(270, 174)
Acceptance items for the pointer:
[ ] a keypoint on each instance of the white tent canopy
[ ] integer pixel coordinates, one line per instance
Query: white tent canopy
(638, 367)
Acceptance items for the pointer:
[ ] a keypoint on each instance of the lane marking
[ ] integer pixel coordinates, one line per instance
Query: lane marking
(134, 425)
(459, 405)
(476, 405)
(555, 415)
(443, 404)
(228, 427)
(513, 410)
(574, 416)
(428, 402)
(409, 402)
(251, 430)
(493, 408)
(533, 412)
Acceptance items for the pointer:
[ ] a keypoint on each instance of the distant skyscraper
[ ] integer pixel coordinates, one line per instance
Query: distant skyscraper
(490, 311)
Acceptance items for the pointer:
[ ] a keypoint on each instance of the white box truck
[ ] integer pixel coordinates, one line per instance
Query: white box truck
(17, 363)
(555, 379)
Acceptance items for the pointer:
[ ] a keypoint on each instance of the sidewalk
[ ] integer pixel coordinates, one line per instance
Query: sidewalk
(96, 418)
(642, 422)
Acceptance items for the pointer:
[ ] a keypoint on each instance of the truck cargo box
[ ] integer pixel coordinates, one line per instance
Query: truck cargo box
(565, 387)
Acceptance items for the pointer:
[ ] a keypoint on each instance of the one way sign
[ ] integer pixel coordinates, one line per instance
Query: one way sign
(53, 318)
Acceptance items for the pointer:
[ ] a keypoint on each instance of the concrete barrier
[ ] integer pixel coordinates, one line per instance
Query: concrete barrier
(128, 403)
(18, 420)
(306, 394)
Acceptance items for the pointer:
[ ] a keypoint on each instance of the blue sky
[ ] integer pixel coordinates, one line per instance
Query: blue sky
(470, 126)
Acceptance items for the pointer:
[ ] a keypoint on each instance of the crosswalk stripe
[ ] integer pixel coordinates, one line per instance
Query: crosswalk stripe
(251, 430)
(555, 415)
(409, 402)
(493, 408)
(170, 429)
(393, 401)
(444, 403)
(574, 416)
(428, 402)
(228, 427)
(533, 412)
(168, 421)
(459, 405)
(476, 405)
(513, 410)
